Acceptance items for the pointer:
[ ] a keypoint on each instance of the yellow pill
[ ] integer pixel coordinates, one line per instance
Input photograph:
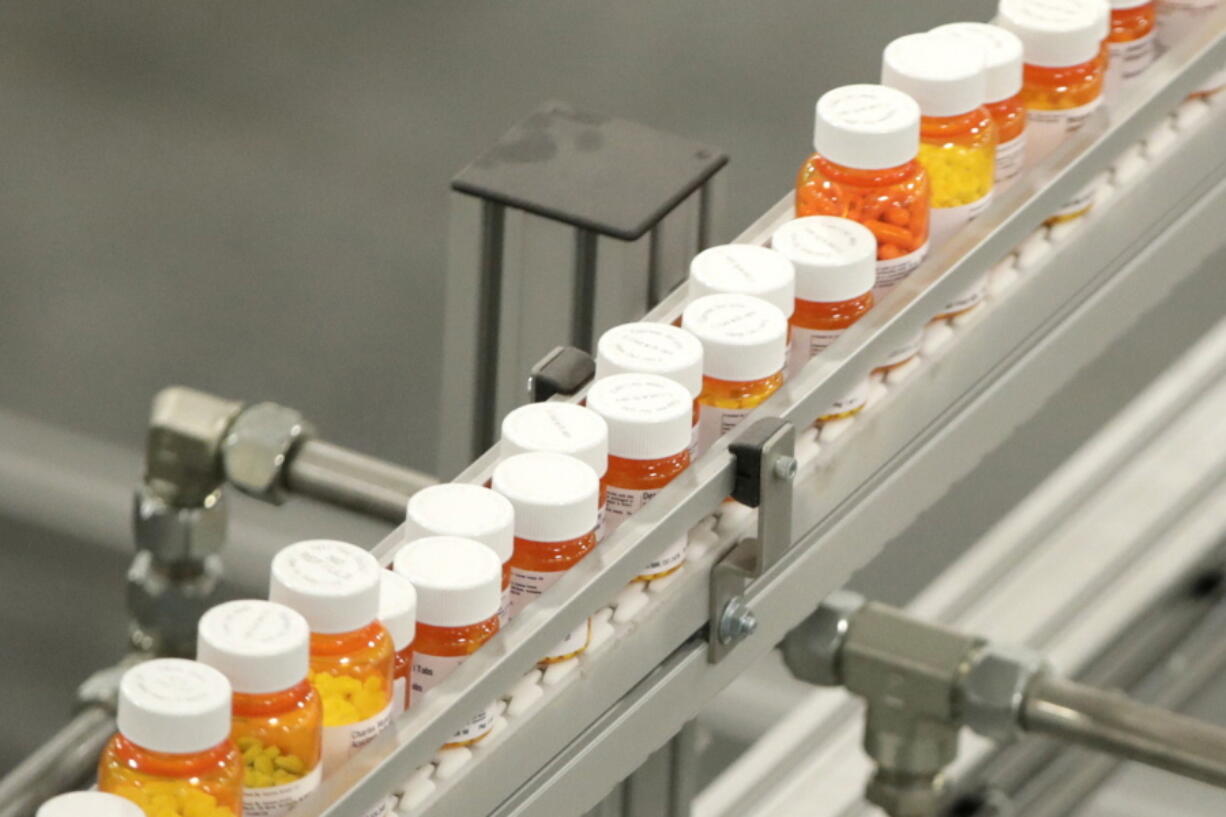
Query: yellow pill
(291, 763)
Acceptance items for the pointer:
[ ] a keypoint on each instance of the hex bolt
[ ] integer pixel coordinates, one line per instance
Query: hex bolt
(737, 622)
(785, 468)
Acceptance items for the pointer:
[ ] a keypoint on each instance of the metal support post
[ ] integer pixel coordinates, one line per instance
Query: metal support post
(765, 469)
(538, 258)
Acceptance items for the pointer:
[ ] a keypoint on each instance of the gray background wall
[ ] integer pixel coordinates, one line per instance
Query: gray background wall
(248, 198)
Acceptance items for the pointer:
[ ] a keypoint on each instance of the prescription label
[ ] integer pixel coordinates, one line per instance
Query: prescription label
(623, 502)
(947, 221)
(526, 585)
(901, 354)
(340, 742)
(967, 301)
(715, 422)
(693, 447)
(1045, 130)
(1127, 61)
(807, 344)
(274, 801)
(1010, 159)
(893, 271)
(429, 671)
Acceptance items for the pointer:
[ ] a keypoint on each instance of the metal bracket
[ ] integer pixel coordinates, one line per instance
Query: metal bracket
(565, 370)
(765, 470)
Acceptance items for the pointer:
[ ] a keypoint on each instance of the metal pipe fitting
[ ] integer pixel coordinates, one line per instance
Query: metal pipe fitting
(923, 683)
(1114, 723)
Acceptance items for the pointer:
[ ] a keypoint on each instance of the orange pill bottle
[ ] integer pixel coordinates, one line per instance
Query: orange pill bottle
(88, 804)
(561, 428)
(744, 350)
(655, 348)
(1132, 44)
(1062, 79)
(470, 512)
(1003, 77)
(555, 497)
(335, 587)
(745, 269)
(173, 755)
(398, 615)
(866, 169)
(834, 260)
(458, 584)
(649, 436)
(1178, 18)
(263, 649)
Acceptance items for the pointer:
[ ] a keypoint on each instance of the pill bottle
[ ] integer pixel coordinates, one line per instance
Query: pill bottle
(745, 269)
(561, 428)
(263, 649)
(555, 527)
(834, 260)
(866, 169)
(649, 437)
(744, 350)
(458, 584)
(1003, 74)
(1062, 79)
(398, 614)
(335, 586)
(948, 79)
(88, 804)
(1177, 19)
(1132, 44)
(470, 512)
(173, 755)
(655, 348)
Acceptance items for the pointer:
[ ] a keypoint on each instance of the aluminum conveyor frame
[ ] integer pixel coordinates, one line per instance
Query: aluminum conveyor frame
(644, 683)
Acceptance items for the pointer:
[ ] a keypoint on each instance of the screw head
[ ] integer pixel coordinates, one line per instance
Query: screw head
(737, 622)
(785, 468)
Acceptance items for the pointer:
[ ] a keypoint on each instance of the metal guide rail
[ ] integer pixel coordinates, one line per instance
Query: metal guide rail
(649, 675)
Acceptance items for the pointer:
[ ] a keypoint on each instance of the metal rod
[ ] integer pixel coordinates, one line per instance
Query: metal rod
(1116, 724)
(351, 480)
(64, 761)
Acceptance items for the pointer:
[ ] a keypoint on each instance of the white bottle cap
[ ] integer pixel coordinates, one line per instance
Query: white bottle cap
(1054, 33)
(867, 127)
(260, 646)
(649, 416)
(458, 581)
(174, 706)
(835, 258)
(743, 338)
(468, 511)
(562, 428)
(335, 586)
(945, 77)
(555, 496)
(89, 804)
(1129, 4)
(651, 348)
(1103, 9)
(1003, 50)
(747, 269)
(398, 608)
